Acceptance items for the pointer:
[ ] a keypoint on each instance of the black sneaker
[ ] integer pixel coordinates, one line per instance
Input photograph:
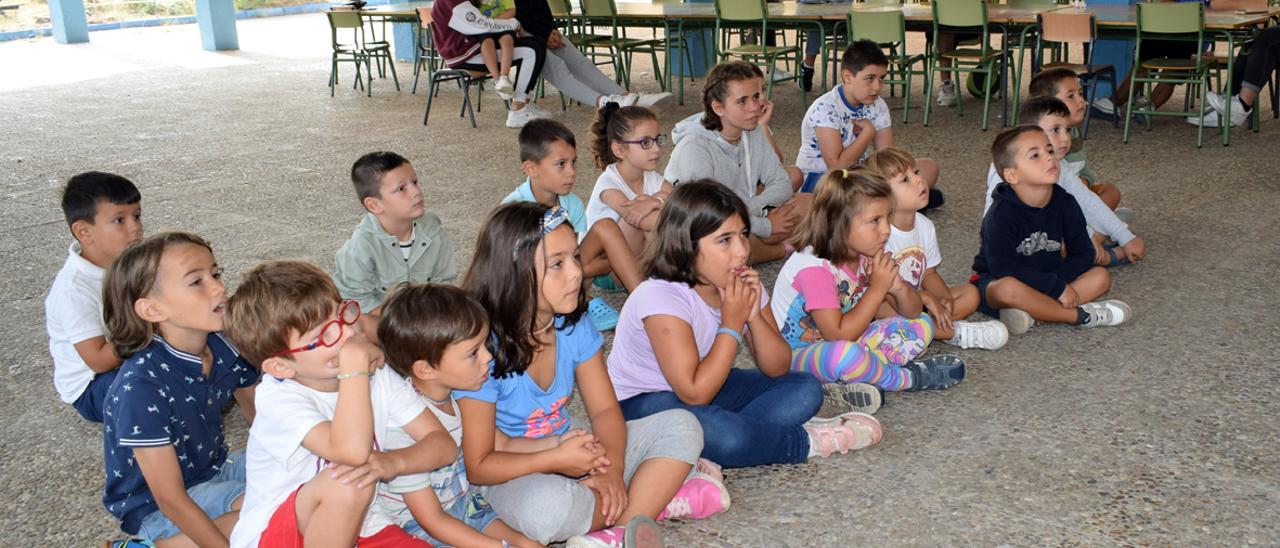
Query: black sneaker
(806, 77)
(935, 372)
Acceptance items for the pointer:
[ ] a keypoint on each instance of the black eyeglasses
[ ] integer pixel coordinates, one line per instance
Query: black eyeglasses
(648, 142)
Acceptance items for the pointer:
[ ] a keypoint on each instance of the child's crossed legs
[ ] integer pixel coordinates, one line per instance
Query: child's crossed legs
(875, 358)
(1010, 292)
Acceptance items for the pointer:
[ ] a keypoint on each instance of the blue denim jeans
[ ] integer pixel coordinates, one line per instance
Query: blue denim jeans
(215, 497)
(754, 420)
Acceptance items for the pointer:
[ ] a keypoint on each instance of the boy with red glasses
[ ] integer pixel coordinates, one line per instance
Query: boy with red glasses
(313, 461)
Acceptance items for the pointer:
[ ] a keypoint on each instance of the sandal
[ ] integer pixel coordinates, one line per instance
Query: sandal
(1115, 260)
(935, 372)
(602, 315)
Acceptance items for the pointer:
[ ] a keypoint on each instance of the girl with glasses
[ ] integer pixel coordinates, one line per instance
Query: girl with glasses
(627, 145)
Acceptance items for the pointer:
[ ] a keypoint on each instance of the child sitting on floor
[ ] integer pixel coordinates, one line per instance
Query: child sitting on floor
(325, 408)
(683, 327)
(398, 241)
(526, 277)
(627, 144)
(1053, 116)
(1035, 262)
(845, 125)
(549, 158)
(104, 212)
(435, 337)
(914, 245)
(846, 313)
(1064, 83)
(169, 478)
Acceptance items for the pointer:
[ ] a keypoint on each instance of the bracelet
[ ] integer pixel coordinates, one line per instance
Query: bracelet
(728, 331)
(354, 374)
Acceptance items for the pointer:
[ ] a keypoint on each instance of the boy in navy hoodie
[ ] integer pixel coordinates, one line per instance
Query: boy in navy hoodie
(1036, 260)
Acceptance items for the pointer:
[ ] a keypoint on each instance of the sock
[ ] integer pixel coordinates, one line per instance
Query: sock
(1082, 317)
(1240, 103)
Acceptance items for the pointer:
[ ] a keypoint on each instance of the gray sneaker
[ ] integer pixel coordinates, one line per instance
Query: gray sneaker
(1018, 321)
(859, 397)
(1125, 215)
(1106, 313)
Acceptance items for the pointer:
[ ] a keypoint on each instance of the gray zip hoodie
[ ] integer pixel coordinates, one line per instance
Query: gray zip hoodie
(702, 153)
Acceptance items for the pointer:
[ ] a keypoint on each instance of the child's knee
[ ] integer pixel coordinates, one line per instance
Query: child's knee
(606, 229)
(333, 492)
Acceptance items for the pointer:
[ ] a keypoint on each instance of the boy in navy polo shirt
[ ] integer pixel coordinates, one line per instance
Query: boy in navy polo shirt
(168, 475)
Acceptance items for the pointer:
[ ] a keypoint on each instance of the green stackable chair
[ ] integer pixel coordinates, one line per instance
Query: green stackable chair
(888, 28)
(981, 61)
(749, 13)
(1171, 21)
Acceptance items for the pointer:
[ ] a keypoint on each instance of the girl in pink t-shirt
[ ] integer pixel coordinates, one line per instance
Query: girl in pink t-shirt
(681, 329)
(847, 314)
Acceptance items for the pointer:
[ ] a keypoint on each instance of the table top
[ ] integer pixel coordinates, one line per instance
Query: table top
(1108, 15)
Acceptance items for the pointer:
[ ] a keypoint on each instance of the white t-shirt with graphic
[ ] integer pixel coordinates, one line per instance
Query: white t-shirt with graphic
(832, 111)
(915, 250)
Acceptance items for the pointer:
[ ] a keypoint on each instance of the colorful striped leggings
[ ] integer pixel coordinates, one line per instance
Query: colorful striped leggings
(875, 358)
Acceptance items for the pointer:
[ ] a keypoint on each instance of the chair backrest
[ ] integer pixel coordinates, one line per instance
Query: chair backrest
(560, 8)
(1065, 27)
(881, 27)
(424, 17)
(1171, 17)
(884, 2)
(598, 8)
(1030, 3)
(960, 13)
(741, 10)
(345, 19)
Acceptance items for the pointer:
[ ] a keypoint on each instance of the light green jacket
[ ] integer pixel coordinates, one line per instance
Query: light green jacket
(370, 264)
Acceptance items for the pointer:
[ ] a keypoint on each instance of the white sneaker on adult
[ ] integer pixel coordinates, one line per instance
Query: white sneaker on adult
(1211, 119)
(504, 88)
(518, 118)
(1239, 114)
(1106, 313)
(988, 335)
(657, 102)
(780, 74)
(947, 94)
(538, 112)
(1104, 105)
(623, 99)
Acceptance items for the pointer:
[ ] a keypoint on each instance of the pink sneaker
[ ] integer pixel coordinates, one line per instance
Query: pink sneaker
(700, 497)
(848, 432)
(613, 537)
(711, 469)
(640, 532)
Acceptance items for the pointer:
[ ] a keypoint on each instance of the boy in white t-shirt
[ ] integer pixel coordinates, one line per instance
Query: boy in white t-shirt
(845, 125)
(435, 335)
(104, 212)
(316, 445)
(914, 245)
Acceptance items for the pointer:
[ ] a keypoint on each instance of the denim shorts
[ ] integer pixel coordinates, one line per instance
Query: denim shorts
(215, 497)
(471, 509)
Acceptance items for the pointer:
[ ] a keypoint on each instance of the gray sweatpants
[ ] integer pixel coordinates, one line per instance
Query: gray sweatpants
(574, 74)
(551, 508)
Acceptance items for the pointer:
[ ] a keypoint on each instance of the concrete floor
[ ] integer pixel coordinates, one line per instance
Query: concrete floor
(1161, 431)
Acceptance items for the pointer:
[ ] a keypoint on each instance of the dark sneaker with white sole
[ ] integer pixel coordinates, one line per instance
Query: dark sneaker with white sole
(859, 397)
(938, 372)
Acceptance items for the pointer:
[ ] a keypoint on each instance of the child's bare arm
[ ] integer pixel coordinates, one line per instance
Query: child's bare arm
(348, 438)
(629, 210)
(433, 449)
(838, 156)
(936, 286)
(489, 466)
(884, 138)
(98, 353)
(163, 473)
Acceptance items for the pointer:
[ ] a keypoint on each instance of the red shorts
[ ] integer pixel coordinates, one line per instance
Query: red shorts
(282, 531)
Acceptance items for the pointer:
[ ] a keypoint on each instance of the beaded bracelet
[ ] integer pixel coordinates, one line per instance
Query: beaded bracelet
(728, 331)
(354, 374)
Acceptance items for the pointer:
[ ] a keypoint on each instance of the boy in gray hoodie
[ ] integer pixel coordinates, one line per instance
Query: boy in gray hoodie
(730, 142)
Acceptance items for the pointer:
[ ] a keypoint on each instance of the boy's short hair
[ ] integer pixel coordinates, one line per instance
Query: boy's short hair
(83, 192)
(1045, 84)
(536, 135)
(366, 173)
(862, 54)
(420, 321)
(891, 161)
(717, 88)
(1038, 107)
(1004, 150)
(277, 299)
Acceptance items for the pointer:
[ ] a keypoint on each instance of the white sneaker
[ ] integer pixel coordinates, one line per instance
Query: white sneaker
(1211, 119)
(1016, 320)
(623, 99)
(947, 94)
(780, 74)
(1104, 105)
(1239, 114)
(1106, 313)
(504, 88)
(657, 102)
(988, 335)
(518, 118)
(537, 111)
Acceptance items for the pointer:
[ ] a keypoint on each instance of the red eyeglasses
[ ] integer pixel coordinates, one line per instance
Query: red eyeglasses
(331, 333)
